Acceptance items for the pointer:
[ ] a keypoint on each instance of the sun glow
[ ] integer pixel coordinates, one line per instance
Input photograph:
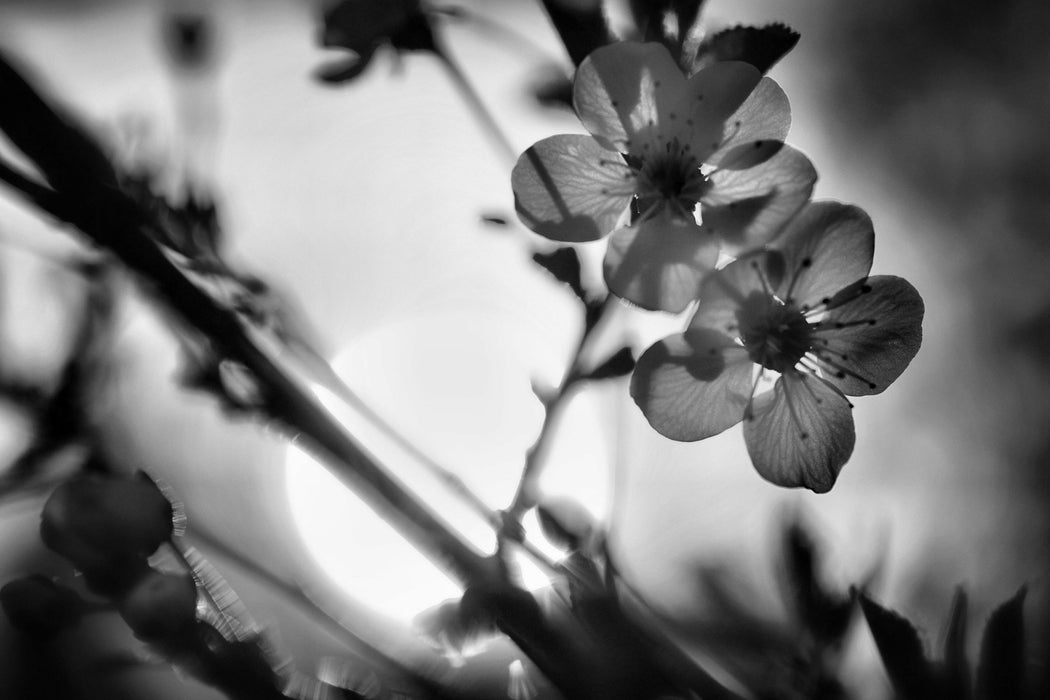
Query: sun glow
(466, 401)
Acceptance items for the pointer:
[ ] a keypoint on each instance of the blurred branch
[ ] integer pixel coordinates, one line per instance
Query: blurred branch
(295, 595)
(88, 197)
(474, 102)
(581, 26)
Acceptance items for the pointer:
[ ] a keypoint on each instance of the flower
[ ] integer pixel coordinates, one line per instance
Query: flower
(661, 144)
(806, 310)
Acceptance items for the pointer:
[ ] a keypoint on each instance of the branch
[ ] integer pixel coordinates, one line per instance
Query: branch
(86, 195)
(582, 29)
(525, 497)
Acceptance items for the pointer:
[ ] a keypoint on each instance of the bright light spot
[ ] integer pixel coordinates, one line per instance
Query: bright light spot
(357, 548)
(458, 386)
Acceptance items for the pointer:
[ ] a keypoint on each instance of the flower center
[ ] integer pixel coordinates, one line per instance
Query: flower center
(670, 177)
(776, 335)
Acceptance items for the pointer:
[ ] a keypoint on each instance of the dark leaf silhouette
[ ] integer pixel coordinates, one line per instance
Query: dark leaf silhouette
(901, 650)
(762, 47)
(956, 673)
(1000, 671)
(362, 26)
(564, 264)
(824, 613)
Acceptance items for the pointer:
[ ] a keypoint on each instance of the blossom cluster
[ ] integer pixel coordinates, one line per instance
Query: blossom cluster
(681, 172)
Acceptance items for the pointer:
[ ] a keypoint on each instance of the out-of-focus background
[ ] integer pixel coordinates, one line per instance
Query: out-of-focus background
(365, 204)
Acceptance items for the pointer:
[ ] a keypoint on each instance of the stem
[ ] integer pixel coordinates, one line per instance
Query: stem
(474, 101)
(582, 30)
(525, 497)
(42, 196)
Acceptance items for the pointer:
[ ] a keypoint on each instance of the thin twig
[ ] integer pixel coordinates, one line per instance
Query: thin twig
(474, 102)
(535, 458)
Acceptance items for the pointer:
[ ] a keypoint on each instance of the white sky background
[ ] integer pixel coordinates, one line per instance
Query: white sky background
(364, 201)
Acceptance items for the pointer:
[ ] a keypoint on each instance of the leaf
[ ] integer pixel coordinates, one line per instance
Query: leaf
(901, 650)
(190, 228)
(564, 264)
(956, 679)
(1000, 671)
(762, 47)
(825, 614)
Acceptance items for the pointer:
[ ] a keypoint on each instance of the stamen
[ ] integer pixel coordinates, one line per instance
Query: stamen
(823, 381)
(819, 307)
(617, 192)
(808, 364)
(806, 263)
(650, 209)
(749, 413)
(766, 286)
(610, 163)
(822, 326)
(841, 371)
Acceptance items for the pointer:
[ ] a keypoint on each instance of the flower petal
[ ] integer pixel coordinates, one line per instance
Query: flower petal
(710, 98)
(623, 91)
(865, 342)
(754, 132)
(801, 433)
(827, 246)
(725, 290)
(659, 262)
(569, 188)
(692, 385)
(747, 208)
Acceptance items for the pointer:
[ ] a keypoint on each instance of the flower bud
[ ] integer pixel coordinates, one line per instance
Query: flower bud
(160, 606)
(37, 605)
(565, 523)
(114, 576)
(92, 517)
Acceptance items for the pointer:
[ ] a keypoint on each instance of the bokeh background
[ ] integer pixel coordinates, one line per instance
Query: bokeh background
(365, 202)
